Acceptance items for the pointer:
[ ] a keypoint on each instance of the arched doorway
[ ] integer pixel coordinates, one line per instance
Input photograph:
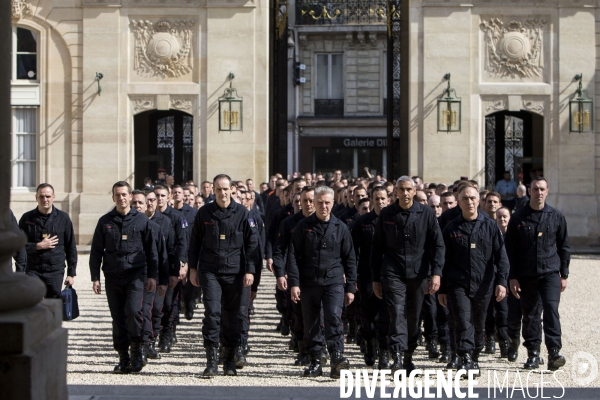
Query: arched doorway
(163, 139)
(514, 142)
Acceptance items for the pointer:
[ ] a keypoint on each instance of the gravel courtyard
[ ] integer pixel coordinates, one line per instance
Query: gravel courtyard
(91, 357)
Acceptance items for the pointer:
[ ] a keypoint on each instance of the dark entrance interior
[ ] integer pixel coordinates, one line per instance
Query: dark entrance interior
(163, 139)
(514, 141)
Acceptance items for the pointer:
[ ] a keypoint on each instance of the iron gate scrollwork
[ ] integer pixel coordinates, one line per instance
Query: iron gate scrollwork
(513, 144)
(490, 151)
(394, 92)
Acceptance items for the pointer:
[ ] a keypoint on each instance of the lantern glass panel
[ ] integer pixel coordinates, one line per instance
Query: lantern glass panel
(230, 115)
(581, 115)
(449, 115)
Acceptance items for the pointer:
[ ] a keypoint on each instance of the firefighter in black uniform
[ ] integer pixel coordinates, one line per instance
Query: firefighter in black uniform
(153, 300)
(476, 268)
(50, 241)
(320, 256)
(221, 251)
(538, 248)
(177, 273)
(124, 245)
(374, 316)
(405, 231)
(280, 251)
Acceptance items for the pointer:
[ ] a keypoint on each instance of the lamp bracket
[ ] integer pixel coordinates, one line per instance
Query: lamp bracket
(99, 76)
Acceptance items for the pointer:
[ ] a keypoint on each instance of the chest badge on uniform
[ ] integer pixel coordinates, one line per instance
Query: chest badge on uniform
(540, 234)
(45, 235)
(473, 245)
(251, 222)
(123, 237)
(222, 237)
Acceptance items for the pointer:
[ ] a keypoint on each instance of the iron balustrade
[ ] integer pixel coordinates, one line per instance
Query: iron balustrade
(329, 107)
(341, 12)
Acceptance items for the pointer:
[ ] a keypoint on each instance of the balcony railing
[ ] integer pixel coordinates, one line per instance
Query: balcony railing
(341, 12)
(329, 107)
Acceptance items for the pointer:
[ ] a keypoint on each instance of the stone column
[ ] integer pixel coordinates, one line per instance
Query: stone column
(33, 347)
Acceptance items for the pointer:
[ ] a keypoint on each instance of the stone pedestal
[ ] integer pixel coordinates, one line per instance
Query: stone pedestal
(33, 353)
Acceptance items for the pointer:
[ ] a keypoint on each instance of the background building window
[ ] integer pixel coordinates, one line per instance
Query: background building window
(329, 94)
(24, 131)
(25, 58)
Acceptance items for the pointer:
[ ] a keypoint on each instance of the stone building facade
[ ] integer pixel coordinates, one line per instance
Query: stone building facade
(163, 65)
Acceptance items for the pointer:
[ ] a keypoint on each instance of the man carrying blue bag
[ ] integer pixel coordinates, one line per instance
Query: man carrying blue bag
(70, 303)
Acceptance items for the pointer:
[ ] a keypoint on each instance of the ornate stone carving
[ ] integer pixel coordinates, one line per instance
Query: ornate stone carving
(494, 105)
(20, 8)
(514, 51)
(162, 49)
(144, 104)
(536, 106)
(181, 104)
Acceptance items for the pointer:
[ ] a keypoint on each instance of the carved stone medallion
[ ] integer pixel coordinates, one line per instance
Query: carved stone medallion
(20, 8)
(514, 50)
(162, 49)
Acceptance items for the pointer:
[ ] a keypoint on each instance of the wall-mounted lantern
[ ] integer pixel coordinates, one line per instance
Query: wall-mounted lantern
(581, 110)
(449, 110)
(230, 109)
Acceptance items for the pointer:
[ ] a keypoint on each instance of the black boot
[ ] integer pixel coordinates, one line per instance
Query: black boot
(468, 363)
(285, 326)
(445, 354)
(455, 361)
(338, 363)
(352, 327)
(251, 308)
(174, 335)
(513, 349)
(245, 348)
(407, 363)
(222, 355)
(164, 342)
(370, 352)
(397, 361)
(384, 358)
(476, 362)
(533, 359)
(346, 326)
(144, 354)
(136, 357)
(303, 358)
(503, 348)
(324, 354)
(152, 353)
(124, 365)
(240, 359)
(229, 363)
(314, 369)
(212, 366)
(189, 310)
(555, 360)
(293, 345)
(432, 348)
(490, 345)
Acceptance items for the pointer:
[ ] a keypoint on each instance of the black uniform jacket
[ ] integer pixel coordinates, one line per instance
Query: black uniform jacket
(363, 233)
(161, 250)
(449, 216)
(57, 224)
(475, 260)
(537, 249)
(321, 257)
(284, 237)
(123, 242)
(261, 238)
(180, 226)
(166, 228)
(278, 217)
(399, 247)
(349, 216)
(21, 255)
(223, 241)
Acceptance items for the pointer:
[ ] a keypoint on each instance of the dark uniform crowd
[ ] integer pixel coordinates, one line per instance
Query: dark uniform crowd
(381, 265)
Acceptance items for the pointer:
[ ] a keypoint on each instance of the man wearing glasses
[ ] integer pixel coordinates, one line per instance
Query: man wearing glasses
(50, 242)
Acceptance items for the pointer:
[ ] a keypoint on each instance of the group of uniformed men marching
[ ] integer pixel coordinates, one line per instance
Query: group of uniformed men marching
(368, 252)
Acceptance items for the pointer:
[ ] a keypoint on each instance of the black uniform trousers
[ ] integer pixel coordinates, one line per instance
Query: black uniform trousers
(222, 295)
(441, 321)
(153, 304)
(53, 281)
(125, 295)
(497, 319)
(257, 276)
(281, 301)
(190, 293)
(404, 299)
(544, 289)
(429, 316)
(298, 321)
(374, 317)
(332, 299)
(469, 316)
(244, 316)
(171, 307)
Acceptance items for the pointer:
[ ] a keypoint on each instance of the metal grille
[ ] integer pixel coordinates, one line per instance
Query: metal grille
(393, 95)
(344, 12)
(188, 137)
(513, 143)
(490, 151)
(329, 107)
(165, 139)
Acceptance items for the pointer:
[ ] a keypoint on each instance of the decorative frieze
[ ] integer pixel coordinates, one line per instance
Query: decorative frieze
(20, 8)
(142, 104)
(181, 104)
(536, 106)
(492, 106)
